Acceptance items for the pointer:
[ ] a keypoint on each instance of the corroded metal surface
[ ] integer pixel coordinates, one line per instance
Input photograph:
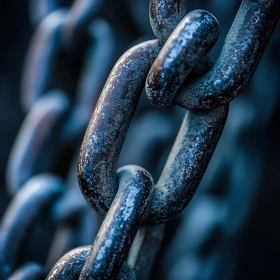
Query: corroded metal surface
(70, 266)
(193, 36)
(165, 15)
(242, 51)
(103, 142)
(171, 66)
(120, 224)
(109, 124)
(186, 164)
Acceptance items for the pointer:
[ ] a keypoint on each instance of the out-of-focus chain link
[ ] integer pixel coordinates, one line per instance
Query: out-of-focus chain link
(68, 60)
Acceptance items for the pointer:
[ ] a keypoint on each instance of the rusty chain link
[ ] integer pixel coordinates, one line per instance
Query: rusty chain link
(174, 69)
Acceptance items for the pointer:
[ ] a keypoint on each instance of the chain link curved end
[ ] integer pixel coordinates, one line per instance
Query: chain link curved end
(120, 224)
(109, 124)
(191, 39)
(40, 122)
(39, 192)
(239, 58)
(69, 267)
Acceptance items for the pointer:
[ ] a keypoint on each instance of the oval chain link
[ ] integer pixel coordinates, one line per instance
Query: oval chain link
(175, 69)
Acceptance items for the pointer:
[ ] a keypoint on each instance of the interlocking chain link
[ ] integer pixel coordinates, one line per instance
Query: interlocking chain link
(174, 69)
(244, 46)
(167, 69)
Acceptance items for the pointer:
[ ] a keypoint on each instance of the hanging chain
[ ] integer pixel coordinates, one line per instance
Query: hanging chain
(176, 69)
(165, 65)
(55, 122)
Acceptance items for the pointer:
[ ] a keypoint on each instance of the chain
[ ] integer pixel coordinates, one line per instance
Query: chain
(174, 69)
(185, 40)
(55, 122)
(224, 202)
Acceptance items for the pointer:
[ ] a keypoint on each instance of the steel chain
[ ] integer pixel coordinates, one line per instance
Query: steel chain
(226, 195)
(166, 73)
(169, 66)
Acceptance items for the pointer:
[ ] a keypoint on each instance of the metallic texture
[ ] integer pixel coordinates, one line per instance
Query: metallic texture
(29, 202)
(171, 66)
(165, 15)
(193, 36)
(186, 164)
(70, 266)
(241, 53)
(211, 250)
(120, 224)
(109, 124)
(107, 130)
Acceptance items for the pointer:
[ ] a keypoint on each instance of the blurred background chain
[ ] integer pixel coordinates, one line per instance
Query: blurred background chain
(58, 93)
(228, 231)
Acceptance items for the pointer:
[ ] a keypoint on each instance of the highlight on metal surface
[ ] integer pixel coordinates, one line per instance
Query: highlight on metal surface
(66, 67)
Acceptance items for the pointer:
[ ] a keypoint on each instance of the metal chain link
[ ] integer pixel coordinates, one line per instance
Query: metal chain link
(166, 69)
(176, 69)
(54, 122)
(225, 200)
